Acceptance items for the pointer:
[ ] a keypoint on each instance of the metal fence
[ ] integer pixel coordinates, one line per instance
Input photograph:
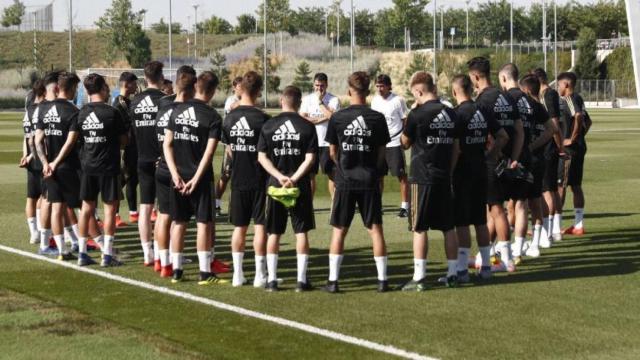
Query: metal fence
(606, 90)
(614, 43)
(38, 18)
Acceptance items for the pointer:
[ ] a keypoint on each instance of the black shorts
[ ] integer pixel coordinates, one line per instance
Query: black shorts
(108, 186)
(245, 205)
(302, 216)
(470, 200)
(323, 162)
(198, 203)
(147, 178)
(537, 170)
(64, 187)
(495, 187)
(163, 189)
(34, 184)
(395, 161)
(344, 207)
(576, 169)
(550, 176)
(226, 166)
(430, 207)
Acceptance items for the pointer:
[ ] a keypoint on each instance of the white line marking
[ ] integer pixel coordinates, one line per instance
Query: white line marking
(236, 309)
(614, 129)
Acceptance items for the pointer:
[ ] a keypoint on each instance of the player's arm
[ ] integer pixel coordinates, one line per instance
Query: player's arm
(518, 141)
(500, 139)
(205, 163)
(40, 148)
(268, 166)
(557, 134)
(24, 160)
(549, 131)
(577, 128)
(455, 155)
(72, 137)
(304, 168)
(167, 149)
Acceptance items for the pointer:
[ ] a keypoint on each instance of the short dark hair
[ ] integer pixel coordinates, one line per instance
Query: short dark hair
(383, 79)
(531, 83)
(541, 75)
(38, 88)
(127, 77)
(51, 78)
(153, 71)
(360, 81)
(167, 82)
(208, 82)
(571, 76)
(236, 80)
(464, 82)
(511, 70)
(185, 69)
(293, 96)
(252, 83)
(321, 77)
(94, 83)
(423, 78)
(480, 64)
(185, 82)
(67, 81)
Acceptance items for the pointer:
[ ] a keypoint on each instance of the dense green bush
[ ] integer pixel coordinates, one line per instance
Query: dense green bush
(11, 103)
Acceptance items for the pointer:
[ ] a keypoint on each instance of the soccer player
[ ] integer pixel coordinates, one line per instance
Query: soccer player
(318, 108)
(167, 87)
(357, 138)
(128, 86)
(576, 124)
(144, 109)
(394, 108)
(501, 107)
(185, 90)
(432, 135)
(470, 176)
(518, 189)
(189, 144)
(32, 164)
(55, 143)
(287, 149)
(241, 131)
(542, 130)
(231, 103)
(551, 222)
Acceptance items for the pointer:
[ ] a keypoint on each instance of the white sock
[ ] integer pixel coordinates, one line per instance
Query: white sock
(62, 247)
(133, 213)
(33, 226)
(82, 245)
(537, 234)
(68, 232)
(381, 266)
(204, 260)
(463, 259)
(99, 240)
(579, 218)
(485, 255)
(76, 230)
(272, 267)
(156, 254)
(147, 252)
(504, 247)
(238, 271)
(452, 267)
(213, 253)
(38, 223)
(419, 269)
(176, 258)
(334, 266)
(164, 257)
(260, 266)
(107, 248)
(550, 226)
(404, 205)
(303, 261)
(557, 223)
(45, 234)
(545, 227)
(218, 203)
(517, 245)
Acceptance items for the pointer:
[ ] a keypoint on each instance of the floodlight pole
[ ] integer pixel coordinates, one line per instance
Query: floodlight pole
(511, 30)
(544, 33)
(70, 35)
(338, 31)
(352, 34)
(435, 15)
(467, 11)
(195, 32)
(35, 39)
(266, 82)
(170, 37)
(555, 39)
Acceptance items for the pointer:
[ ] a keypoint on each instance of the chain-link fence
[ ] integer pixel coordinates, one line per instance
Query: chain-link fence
(606, 90)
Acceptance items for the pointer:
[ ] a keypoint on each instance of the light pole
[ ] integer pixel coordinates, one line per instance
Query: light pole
(35, 39)
(441, 27)
(170, 37)
(338, 31)
(70, 36)
(353, 36)
(555, 39)
(435, 15)
(544, 33)
(467, 11)
(195, 32)
(511, 30)
(266, 83)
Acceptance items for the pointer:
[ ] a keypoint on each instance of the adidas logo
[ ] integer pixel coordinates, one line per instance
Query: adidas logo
(442, 121)
(477, 121)
(146, 106)
(358, 127)
(92, 122)
(52, 116)
(34, 117)
(188, 118)
(286, 132)
(524, 107)
(164, 119)
(502, 105)
(241, 128)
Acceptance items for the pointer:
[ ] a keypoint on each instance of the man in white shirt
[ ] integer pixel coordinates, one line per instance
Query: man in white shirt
(318, 108)
(394, 108)
(231, 103)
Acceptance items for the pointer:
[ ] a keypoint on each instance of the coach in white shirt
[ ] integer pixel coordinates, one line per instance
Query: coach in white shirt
(317, 108)
(395, 110)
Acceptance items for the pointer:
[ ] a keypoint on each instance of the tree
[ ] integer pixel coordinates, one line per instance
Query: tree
(219, 63)
(163, 27)
(216, 25)
(272, 82)
(387, 33)
(309, 19)
(12, 15)
(408, 13)
(246, 24)
(302, 79)
(278, 13)
(495, 21)
(587, 64)
(121, 29)
(365, 28)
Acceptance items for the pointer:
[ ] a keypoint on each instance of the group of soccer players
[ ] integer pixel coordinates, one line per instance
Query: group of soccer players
(497, 162)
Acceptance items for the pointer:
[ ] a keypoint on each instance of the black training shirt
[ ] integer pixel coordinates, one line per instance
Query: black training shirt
(539, 119)
(57, 118)
(143, 111)
(570, 106)
(475, 126)
(501, 106)
(101, 127)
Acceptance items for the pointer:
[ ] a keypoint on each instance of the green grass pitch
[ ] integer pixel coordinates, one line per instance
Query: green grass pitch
(580, 300)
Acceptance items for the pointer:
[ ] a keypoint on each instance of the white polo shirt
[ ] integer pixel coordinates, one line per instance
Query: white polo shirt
(310, 105)
(394, 108)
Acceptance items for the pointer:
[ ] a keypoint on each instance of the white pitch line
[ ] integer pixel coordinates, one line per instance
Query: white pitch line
(388, 349)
